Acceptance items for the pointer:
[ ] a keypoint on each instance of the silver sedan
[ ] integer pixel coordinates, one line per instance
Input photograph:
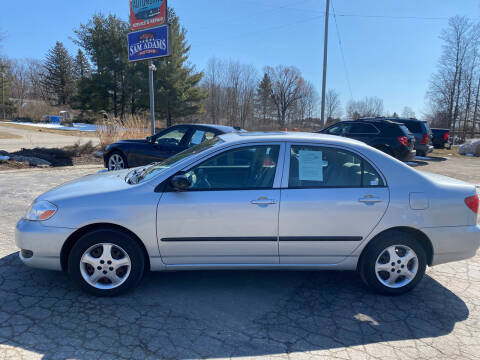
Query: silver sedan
(254, 201)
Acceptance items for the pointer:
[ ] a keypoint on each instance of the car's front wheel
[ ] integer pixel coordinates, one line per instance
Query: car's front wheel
(106, 262)
(393, 264)
(116, 161)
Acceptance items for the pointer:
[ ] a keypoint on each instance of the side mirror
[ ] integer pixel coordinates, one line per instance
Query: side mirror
(150, 139)
(180, 183)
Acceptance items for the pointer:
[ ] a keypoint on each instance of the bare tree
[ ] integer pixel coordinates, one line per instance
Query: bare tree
(333, 105)
(369, 107)
(213, 83)
(287, 86)
(452, 87)
(408, 112)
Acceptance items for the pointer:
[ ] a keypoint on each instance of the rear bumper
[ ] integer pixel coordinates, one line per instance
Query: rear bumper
(453, 243)
(407, 155)
(427, 149)
(44, 242)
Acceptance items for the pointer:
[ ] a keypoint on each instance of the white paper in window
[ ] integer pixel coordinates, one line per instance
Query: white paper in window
(310, 165)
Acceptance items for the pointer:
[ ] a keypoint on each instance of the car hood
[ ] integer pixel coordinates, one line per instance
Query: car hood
(89, 185)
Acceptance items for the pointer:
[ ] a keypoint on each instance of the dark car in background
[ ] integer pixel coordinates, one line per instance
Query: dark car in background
(388, 136)
(132, 153)
(441, 138)
(423, 135)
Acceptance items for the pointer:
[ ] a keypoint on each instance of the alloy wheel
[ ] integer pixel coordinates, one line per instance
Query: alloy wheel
(105, 266)
(396, 266)
(116, 162)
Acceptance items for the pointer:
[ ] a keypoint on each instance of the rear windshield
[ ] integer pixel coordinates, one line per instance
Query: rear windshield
(419, 127)
(404, 130)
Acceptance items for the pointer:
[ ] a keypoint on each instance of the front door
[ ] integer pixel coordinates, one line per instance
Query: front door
(331, 200)
(230, 213)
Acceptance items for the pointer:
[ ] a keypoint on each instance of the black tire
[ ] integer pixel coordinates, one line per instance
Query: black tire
(421, 153)
(371, 253)
(117, 153)
(115, 237)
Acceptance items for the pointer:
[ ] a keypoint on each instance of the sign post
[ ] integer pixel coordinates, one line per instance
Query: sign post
(151, 69)
(151, 41)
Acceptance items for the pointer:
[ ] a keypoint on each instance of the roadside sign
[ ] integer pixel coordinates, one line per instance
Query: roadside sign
(145, 14)
(148, 44)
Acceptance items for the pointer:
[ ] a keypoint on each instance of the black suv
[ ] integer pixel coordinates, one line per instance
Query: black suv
(422, 133)
(441, 138)
(388, 136)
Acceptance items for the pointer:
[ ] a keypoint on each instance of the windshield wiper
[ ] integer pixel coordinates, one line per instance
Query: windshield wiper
(138, 174)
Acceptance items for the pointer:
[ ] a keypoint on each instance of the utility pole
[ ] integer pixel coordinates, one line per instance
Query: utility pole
(151, 69)
(325, 58)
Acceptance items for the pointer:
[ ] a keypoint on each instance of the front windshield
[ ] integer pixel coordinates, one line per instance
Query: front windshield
(157, 168)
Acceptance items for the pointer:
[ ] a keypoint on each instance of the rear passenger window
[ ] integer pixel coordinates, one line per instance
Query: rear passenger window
(323, 167)
(363, 129)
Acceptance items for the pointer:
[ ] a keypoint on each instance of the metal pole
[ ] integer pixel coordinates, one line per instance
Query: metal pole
(151, 69)
(3, 95)
(325, 58)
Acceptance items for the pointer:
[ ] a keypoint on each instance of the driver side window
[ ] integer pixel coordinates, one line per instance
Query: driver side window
(252, 167)
(173, 137)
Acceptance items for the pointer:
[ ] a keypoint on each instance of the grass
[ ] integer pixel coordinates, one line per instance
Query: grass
(50, 131)
(112, 130)
(7, 135)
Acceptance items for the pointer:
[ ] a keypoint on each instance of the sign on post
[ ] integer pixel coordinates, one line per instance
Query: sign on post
(148, 44)
(147, 13)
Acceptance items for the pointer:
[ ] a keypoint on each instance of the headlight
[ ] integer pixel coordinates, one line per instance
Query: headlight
(41, 211)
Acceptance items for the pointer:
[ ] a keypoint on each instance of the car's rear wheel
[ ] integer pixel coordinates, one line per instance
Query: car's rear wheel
(106, 262)
(116, 161)
(393, 264)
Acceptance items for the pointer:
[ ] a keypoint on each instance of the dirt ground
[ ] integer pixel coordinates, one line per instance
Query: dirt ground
(17, 137)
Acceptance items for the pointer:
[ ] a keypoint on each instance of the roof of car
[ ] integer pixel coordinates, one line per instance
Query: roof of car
(222, 128)
(287, 136)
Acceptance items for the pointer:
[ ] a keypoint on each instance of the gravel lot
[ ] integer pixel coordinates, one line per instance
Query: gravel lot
(14, 139)
(274, 315)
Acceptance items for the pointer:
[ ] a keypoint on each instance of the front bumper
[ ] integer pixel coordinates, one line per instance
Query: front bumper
(453, 243)
(45, 242)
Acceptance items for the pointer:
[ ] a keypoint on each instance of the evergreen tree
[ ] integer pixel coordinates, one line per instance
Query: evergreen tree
(81, 66)
(104, 40)
(58, 79)
(264, 96)
(118, 86)
(177, 90)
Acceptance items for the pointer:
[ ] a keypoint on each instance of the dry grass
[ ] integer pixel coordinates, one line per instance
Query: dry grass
(7, 135)
(112, 130)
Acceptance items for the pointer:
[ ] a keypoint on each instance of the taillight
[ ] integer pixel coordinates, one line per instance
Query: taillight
(446, 136)
(403, 140)
(425, 139)
(473, 203)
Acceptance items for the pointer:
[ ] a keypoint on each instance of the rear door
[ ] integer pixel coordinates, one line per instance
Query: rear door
(332, 199)
(362, 132)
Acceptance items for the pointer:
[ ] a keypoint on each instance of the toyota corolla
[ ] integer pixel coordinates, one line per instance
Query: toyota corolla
(254, 201)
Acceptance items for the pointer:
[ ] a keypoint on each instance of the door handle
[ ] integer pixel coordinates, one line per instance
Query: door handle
(263, 201)
(370, 199)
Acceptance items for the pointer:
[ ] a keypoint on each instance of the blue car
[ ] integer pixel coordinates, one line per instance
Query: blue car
(146, 9)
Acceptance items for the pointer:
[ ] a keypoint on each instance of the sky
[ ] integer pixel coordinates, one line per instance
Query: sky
(383, 48)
